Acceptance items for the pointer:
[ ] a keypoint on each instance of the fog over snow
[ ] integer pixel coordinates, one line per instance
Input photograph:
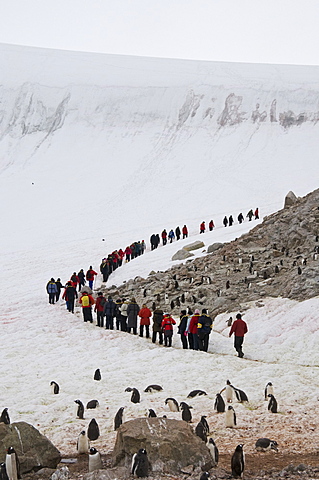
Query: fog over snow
(97, 147)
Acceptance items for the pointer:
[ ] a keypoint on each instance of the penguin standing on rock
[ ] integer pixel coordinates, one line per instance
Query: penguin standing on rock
(269, 390)
(272, 405)
(230, 418)
(212, 447)
(83, 443)
(135, 397)
(205, 423)
(140, 463)
(118, 419)
(93, 430)
(3, 472)
(5, 417)
(151, 413)
(219, 405)
(238, 462)
(95, 462)
(186, 413)
(55, 387)
(172, 404)
(200, 431)
(12, 464)
(80, 410)
(265, 444)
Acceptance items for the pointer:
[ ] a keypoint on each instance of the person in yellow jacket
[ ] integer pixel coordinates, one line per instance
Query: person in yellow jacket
(87, 301)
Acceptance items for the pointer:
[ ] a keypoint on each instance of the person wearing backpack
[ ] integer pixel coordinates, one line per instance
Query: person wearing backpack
(158, 315)
(182, 328)
(52, 290)
(87, 301)
(99, 309)
(109, 312)
(90, 274)
(167, 327)
(69, 295)
(118, 315)
(204, 327)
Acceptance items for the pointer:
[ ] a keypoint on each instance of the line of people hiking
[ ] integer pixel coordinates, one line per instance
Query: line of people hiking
(115, 259)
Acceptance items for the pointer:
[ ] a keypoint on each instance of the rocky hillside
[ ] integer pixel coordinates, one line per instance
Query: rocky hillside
(278, 258)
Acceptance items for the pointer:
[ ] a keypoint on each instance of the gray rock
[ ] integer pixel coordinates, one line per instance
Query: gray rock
(171, 445)
(215, 246)
(290, 199)
(119, 473)
(34, 450)
(182, 255)
(194, 246)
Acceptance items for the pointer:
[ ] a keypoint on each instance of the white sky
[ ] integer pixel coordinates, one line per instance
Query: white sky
(259, 31)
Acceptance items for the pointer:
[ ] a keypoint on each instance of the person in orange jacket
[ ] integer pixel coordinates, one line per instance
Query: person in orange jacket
(145, 315)
(167, 327)
(87, 301)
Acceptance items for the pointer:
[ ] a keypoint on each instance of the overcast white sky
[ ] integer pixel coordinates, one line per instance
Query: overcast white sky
(264, 31)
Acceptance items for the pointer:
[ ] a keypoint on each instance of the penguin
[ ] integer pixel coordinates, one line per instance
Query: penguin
(3, 472)
(95, 462)
(83, 443)
(93, 430)
(140, 463)
(158, 298)
(118, 419)
(186, 413)
(177, 302)
(230, 417)
(80, 409)
(205, 423)
(299, 271)
(238, 462)
(55, 387)
(153, 388)
(176, 286)
(276, 269)
(240, 395)
(172, 404)
(194, 393)
(264, 444)
(151, 413)
(272, 405)
(135, 397)
(183, 298)
(229, 391)
(5, 417)
(269, 390)
(172, 305)
(12, 464)
(204, 476)
(97, 375)
(212, 447)
(219, 405)
(200, 431)
(92, 404)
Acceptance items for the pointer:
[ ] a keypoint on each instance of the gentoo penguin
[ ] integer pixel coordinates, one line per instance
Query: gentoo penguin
(5, 417)
(238, 462)
(12, 464)
(200, 431)
(186, 413)
(135, 397)
(151, 413)
(229, 391)
(172, 404)
(55, 387)
(80, 409)
(205, 423)
(153, 388)
(240, 395)
(264, 444)
(83, 443)
(272, 405)
(93, 430)
(194, 393)
(95, 462)
(97, 374)
(118, 419)
(269, 390)
(230, 417)
(219, 405)
(140, 464)
(92, 404)
(212, 447)
(204, 476)
(3, 472)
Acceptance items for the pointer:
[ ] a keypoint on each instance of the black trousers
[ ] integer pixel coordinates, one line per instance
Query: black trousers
(147, 330)
(168, 339)
(238, 342)
(203, 342)
(99, 319)
(52, 297)
(160, 336)
(184, 341)
(87, 314)
(134, 330)
(109, 322)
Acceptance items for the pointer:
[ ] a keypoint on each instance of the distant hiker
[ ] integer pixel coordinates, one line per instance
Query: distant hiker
(99, 307)
(143, 245)
(171, 235)
(124, 315)
(193, 329)
(69, 295)
(184, 232)
(211, 225)
(52, 290)
(239, 328)
(128, 252)
(164, 237)
(157, 240)
(81, 276)
(87, 301)
(250, 214)
(202, 227)
(75, 280)
(178, 233)
(167, 327)
(225, 221)
(157, 325)
(256, 214)
(90, 274)
(132, 313)
(121, 255)
(109, 313)
(145, 315)
(182, 328)
(204, 327)
(118, 315)
(104, 269)
(230, 220)
(240, 218)
(59, 287)
(153, 241)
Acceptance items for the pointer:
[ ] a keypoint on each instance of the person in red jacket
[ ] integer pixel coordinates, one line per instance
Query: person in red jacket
(164, 237)
(211, 225)
(87, 301)
(202, 227)
(167, 327)
(99, 309)
(90, 274)
(128, 252)
(239, 328)
(75, 280)
(145, 315)
(184, 232)
(193, 329)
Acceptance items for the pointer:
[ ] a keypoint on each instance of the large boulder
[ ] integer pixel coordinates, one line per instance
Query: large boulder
(171, 445)
(34, 450)
(182, 255)
(194, 246)
(290, 199)
(215, 246)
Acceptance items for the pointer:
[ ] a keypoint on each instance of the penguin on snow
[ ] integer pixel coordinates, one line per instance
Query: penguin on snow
(272, 405)
(194, 393)
(240, 395)
(172, 404)
(151, 413)
(238, 462)
(153, 388)
(92, 404)
(97, 375)
(80, 409)
(219, 404)
(5, 417)
(12, 464)
(95, 462)
(93, 430)
(265, 444)
(54, 387)
(230, 417)
(229, 391)
(83, 443)
(186, 413)
(269, 390)
(212, 447)
(140, 463)
(118, 419)
(135, 397)
(3, 472)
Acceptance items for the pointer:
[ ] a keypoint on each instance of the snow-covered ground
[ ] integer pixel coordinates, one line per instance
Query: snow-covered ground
(112, 172)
